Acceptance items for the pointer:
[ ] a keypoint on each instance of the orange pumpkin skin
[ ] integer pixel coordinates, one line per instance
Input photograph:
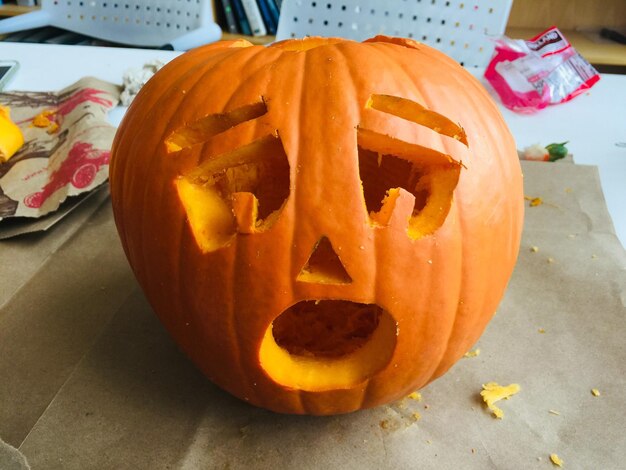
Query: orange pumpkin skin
(316, 109)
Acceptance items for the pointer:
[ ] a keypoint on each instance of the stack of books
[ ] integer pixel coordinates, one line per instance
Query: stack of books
(249, 17)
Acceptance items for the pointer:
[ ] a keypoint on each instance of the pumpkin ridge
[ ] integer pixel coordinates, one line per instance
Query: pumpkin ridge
(227, 105)
(351, 60)
(425, 316)
(165, 98)
(353, 71)
(498, 163)
(443, 361)
(129, 122)
(476, 96)
(505, 168)
(252, 72)
(234, 324)
(350, 55)
(417, 85)
(176, 274)
(294, 264)
(231, 327)
(434, 372)
(428, 312)
(384, 52)
(239, 271)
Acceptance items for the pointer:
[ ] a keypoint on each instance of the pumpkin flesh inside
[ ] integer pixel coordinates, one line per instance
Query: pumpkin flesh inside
(318, 345)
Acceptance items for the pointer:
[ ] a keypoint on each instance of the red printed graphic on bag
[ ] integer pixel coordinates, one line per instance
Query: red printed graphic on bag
(67, 143)
(546, 70)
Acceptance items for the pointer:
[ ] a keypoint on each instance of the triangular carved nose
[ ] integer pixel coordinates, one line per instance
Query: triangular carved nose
(324, 266)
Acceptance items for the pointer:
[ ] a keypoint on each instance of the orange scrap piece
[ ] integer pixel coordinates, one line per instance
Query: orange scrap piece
(492, 392)
(43, 119)
(53, 128)
(556, 460)
(415, 396)
(11, 138)
(474, 353)
(534, 201)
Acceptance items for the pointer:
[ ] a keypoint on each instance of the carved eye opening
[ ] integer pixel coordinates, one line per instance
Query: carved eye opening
(387, 165)
(241, 190)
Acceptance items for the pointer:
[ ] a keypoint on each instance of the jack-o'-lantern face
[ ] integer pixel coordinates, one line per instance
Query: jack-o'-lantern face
(307, 225)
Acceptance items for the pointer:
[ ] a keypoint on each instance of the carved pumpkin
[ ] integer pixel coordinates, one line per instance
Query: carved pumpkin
(322, 225)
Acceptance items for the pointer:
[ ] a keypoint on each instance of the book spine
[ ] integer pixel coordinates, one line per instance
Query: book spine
(254, 17)
(229, 16)
(274, 10)
(242, 19)
(264, 8)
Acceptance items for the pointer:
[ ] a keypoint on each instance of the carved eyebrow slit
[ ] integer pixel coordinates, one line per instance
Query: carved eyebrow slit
(414, 153)
(255, 152)
(415, 112)
(209, 126)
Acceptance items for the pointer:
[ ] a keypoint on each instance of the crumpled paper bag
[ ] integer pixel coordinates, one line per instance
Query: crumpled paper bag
(66, 150)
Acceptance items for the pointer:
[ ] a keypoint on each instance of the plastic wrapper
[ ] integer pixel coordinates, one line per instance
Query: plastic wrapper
(546, 70)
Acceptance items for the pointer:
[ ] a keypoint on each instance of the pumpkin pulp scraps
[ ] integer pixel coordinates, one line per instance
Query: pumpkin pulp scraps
(473, 353)
(11, 138)
(45, 120)
(492, 392)
(417, 396)
(556, 460)
(534, 201)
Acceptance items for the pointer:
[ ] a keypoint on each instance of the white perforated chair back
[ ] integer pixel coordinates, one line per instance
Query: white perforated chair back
(461, 29)
(133, 22)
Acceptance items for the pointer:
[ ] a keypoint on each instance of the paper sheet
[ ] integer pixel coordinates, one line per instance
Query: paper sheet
(92, 380)
(66, 150)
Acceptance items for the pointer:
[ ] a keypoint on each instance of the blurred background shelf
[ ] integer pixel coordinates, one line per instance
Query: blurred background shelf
(260, 40)
(579, 20)
(596, 49)
(12, 10)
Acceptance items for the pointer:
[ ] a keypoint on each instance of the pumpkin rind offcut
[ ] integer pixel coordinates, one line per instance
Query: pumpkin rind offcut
(322, 225)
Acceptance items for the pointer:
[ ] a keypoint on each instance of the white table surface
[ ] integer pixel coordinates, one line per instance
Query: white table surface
(594, 123)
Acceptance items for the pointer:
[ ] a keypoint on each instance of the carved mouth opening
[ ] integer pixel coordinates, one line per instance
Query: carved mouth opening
(328, 344)
(325, 328)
